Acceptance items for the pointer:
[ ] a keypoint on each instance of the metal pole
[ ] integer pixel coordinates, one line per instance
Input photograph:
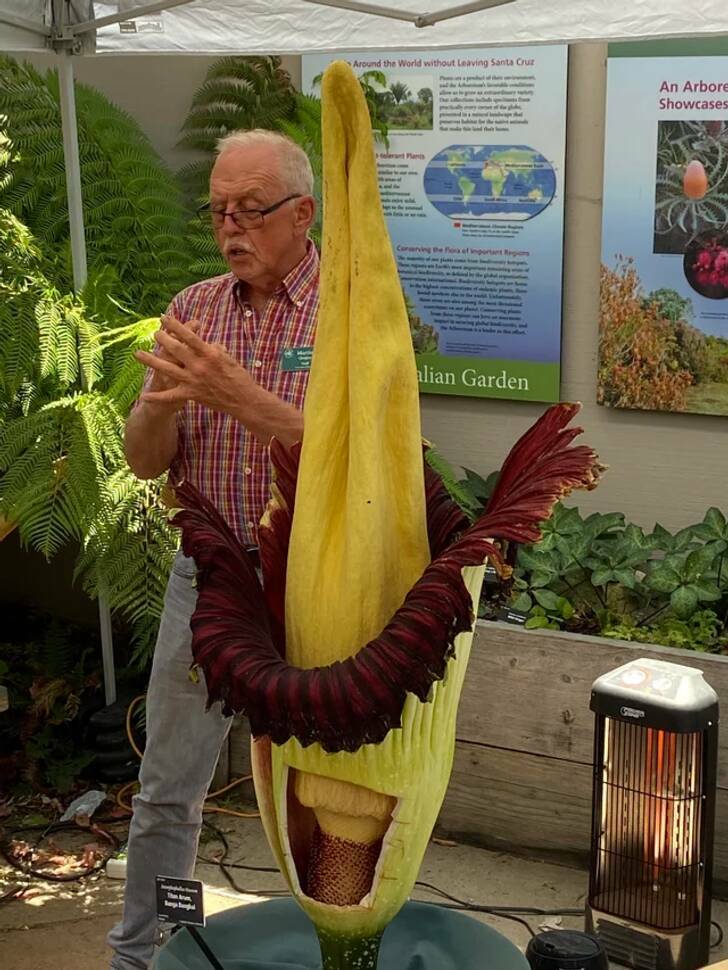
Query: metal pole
(80, 273)
(477, 6)
(73, 170)
(419, 20)
(116, 18)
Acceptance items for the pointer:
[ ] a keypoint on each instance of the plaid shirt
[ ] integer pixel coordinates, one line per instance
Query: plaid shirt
(216, 454)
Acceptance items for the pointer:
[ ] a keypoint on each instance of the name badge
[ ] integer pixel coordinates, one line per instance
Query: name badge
(296, 358)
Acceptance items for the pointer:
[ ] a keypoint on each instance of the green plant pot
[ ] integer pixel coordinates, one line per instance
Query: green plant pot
(277, 935)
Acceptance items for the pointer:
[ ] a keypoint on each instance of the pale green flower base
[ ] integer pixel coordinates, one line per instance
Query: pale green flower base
(347, 952)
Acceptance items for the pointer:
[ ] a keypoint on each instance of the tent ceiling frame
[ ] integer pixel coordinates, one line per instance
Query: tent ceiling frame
(419, 20)
(71, 31)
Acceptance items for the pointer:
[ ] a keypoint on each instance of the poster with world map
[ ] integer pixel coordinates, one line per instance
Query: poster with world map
(471, 176)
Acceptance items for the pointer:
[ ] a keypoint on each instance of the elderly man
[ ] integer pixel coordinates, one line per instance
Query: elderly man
(225, 378)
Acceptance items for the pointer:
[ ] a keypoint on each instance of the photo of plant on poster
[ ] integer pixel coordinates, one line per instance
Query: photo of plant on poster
(691, 185)
(663, 320)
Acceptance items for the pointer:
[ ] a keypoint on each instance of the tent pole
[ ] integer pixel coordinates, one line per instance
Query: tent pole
(80, 273)
(73, 170)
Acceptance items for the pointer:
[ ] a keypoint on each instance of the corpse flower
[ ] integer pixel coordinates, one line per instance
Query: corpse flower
(349, 661)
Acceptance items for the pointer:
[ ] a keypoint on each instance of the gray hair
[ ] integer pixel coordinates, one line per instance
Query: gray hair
(295, 167)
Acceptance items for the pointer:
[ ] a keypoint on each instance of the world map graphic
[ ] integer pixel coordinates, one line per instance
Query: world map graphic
(512, 182)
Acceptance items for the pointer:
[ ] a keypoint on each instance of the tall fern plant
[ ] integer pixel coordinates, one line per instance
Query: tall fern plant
(135, 216)
(66, 385)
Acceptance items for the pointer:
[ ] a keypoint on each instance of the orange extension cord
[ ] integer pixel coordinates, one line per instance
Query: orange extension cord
(212, 810)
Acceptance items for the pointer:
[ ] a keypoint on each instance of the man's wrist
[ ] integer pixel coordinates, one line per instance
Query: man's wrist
(248, 402)
(159, 411)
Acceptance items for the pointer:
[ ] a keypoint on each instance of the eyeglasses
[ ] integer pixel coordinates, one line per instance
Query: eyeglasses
(243, 218)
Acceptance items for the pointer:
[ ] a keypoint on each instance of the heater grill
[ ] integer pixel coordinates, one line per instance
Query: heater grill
(647, 824)
(655, 756)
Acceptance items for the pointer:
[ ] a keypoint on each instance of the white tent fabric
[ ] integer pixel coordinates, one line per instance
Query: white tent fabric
(297, 26)
(304, 26)
(22, 36)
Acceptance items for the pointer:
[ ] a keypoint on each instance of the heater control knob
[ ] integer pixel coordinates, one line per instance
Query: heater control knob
(634, 677)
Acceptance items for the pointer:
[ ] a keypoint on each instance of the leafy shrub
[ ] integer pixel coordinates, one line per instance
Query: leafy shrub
(639, 358)
(602, 575)
(67, 381)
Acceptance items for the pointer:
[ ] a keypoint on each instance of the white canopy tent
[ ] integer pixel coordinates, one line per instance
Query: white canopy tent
(305, 26)
(80, 27)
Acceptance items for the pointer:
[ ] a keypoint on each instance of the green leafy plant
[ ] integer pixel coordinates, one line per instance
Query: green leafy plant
(67, 381)
(134, 211)
(600, 574)
(237, 93)
(702, 631)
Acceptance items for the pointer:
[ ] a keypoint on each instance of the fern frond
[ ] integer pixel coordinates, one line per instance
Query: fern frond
(122, 177)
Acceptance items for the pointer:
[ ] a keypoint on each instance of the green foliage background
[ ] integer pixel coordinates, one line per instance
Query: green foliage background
(67, 375)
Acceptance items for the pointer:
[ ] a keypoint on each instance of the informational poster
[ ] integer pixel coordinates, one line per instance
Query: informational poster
(472, 183)
(664, 285)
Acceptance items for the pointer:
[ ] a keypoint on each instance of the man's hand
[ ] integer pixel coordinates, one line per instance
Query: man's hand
(189, 369)
(162, 382)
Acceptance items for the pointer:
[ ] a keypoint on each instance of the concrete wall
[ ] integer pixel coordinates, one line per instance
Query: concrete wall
(663, 467)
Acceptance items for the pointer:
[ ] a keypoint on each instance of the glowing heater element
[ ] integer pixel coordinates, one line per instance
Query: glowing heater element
(655, 756)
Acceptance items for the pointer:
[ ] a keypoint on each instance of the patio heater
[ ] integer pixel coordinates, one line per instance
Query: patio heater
(655, 757)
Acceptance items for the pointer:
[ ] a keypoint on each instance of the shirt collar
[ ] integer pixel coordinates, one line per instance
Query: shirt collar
(297, 284)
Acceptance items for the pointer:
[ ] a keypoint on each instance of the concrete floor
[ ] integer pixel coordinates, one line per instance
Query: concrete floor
(63, 927)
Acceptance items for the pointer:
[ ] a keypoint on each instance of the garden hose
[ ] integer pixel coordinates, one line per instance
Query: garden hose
(210, 810)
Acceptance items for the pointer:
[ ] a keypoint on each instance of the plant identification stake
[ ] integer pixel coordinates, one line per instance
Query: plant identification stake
(180, 901)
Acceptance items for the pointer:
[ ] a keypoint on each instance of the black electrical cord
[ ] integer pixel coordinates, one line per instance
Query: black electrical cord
(226, 866)
(472, 908)
(502, 912)
(28, 869)
(48, 827)
(519, 910)
(513, 913)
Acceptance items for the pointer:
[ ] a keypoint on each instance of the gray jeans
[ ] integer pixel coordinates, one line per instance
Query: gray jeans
(183, 743)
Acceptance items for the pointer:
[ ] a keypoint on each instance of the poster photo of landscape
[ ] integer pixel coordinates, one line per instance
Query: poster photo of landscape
(663, 325)
(405, 103)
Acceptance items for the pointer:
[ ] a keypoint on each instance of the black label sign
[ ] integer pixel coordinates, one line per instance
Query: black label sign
(180, 901)
(512, 616)
(491, 576)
